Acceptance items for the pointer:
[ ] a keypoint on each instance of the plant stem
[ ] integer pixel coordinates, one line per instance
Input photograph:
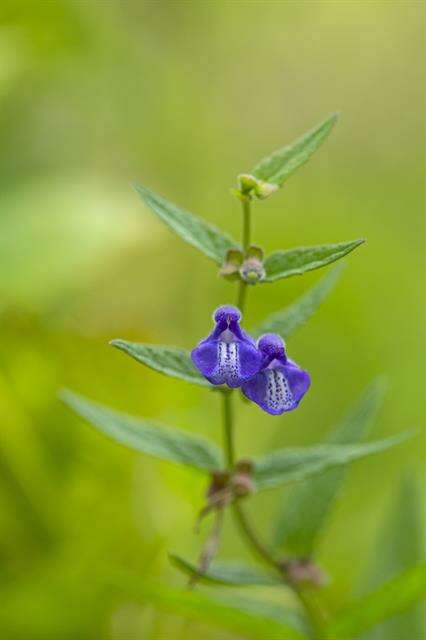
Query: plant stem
(251, 537)
(242, 289)
(227, 429)
(313, 614)
(246, 224)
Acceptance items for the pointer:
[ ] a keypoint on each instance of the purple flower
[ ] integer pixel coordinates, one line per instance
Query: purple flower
(228, 355)
(280, 384)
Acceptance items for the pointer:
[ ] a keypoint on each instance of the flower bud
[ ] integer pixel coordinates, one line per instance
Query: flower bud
(247, 183)
(265, 189)
(250, 186)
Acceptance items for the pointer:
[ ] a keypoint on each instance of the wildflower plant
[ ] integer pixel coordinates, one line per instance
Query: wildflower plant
(255, 364)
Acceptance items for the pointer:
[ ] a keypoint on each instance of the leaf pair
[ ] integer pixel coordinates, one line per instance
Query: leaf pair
(182, 447)
(215, 244)
(273, 170)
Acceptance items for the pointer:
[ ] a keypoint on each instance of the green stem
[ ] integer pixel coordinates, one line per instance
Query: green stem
(246, 224)
(242, 289)
(254, 542)
(251, 537)
(227, 429)
(241, 299)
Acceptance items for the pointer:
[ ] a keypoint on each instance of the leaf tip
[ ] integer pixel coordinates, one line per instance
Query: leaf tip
(402, 436)
(117, 343)
(142, 191)
(380, 384)
(66, 396)
(173, 558)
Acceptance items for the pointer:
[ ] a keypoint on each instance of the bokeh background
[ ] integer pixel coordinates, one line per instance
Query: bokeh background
(183, 96)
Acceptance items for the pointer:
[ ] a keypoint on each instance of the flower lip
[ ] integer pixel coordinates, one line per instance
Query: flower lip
(228, 355)
(272, 346)
(227, 313)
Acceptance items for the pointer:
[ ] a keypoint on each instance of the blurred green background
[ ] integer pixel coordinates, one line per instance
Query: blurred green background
(183, 96)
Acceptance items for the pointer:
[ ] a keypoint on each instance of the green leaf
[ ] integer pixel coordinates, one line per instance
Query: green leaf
(168, 360)
(277, 167)
(146, 436)
(284, 264)
(226, 573)
(400, 546)
(390, 599)
(252, 618)
(305, 512)
(285, 322)
(190, 228)
(294, 464)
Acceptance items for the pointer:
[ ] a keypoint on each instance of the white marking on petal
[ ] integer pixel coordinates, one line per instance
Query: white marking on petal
(228, 362)
(278, 394)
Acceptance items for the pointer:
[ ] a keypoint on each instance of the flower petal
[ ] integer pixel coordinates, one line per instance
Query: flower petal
(298, 380)
(205, 359)
(279, 389)
(226, 362)
(249, 361)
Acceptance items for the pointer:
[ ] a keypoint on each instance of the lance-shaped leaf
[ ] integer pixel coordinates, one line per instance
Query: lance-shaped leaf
(147, 436)
(400, 547)
(306, 510)
(277, 167)
(285, 322)
(171, 361)
(295, 464)
(226, 573)
(249, 617)
(192, 229)
(392, 598)
(294, 262)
